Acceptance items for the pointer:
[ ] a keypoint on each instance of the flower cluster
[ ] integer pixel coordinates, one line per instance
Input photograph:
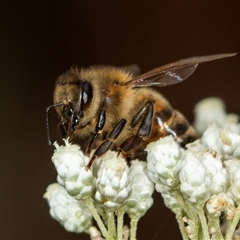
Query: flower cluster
(109, 189)
(199, 183)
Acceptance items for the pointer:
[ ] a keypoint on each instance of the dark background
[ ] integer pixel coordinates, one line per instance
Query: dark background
(41, 39)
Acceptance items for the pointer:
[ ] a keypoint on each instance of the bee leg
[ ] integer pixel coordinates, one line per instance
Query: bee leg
(63, 130)
(107, 143)
(135, 155)
(98, 129)
(143, 132)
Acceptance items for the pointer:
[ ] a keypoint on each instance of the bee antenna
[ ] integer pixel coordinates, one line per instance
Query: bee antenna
(48, 121)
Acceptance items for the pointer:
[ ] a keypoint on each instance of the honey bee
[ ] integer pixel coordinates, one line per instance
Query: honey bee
(113, 109)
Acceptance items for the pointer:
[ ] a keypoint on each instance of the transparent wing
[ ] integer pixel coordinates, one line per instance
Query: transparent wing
(172, 73)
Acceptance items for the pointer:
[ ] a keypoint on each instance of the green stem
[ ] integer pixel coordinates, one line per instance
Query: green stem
(203, 221)
(184, 206)
(133, 230)
(190, 211)
(232, 224)
(181, 225)
(111, 225)
(214, 222)
(89, 203)
(120, 214)
(193, 214)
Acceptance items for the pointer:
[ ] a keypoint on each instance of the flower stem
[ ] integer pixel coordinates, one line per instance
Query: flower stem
(182, 203)
(89, 203)
(120, 214)
(233, 224)
(203, 221)
(215, 223)
(133, 230)
(191, 214)
(181, 225)
(111, 225)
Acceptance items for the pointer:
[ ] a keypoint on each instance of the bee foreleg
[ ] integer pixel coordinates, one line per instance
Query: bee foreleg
(98, 129)
(143, 132)
(63, 130)
(107, 143)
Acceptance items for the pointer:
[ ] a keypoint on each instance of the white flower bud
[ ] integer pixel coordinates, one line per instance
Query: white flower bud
(72, 214)
(231, 143)
(211, 137)
(195, 146)
(164, 161)
(140, 199)
(70, 164)
(195, 181)
(233, 170)
(222, 139)
(207, 111)
(113, 185)
(191, 228)
(232, 121)
(212, 162)
(219, 203)
(212, 230)
(95, 234)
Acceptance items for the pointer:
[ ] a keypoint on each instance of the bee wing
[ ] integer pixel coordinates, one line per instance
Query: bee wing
(172, 73)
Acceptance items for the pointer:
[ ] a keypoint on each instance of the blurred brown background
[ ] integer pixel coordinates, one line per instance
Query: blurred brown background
(41, 39)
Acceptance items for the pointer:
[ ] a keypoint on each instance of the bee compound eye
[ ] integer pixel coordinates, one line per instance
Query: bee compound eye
(87, 93)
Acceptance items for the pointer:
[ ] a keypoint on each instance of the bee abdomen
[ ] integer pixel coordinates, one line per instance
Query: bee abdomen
(172, 122)
(183, 131)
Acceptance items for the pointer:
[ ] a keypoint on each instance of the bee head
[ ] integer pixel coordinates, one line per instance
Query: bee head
(71, 101)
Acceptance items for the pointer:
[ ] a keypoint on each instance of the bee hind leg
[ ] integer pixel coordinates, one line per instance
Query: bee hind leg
(144, 129)
(107, 143)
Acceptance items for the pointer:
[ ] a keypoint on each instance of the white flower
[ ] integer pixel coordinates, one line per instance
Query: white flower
(195, 146)
(70, 164)
(164, 161)
(95, 234)
(113, 184)
(140, 199)
(233, 169)
(219, 203)
(232, 121)
(208, 110)
(231, 142)
(212, 161)
(222, 139)
(211, 138)
(195, 181)
(72, 214)
(211, 110)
